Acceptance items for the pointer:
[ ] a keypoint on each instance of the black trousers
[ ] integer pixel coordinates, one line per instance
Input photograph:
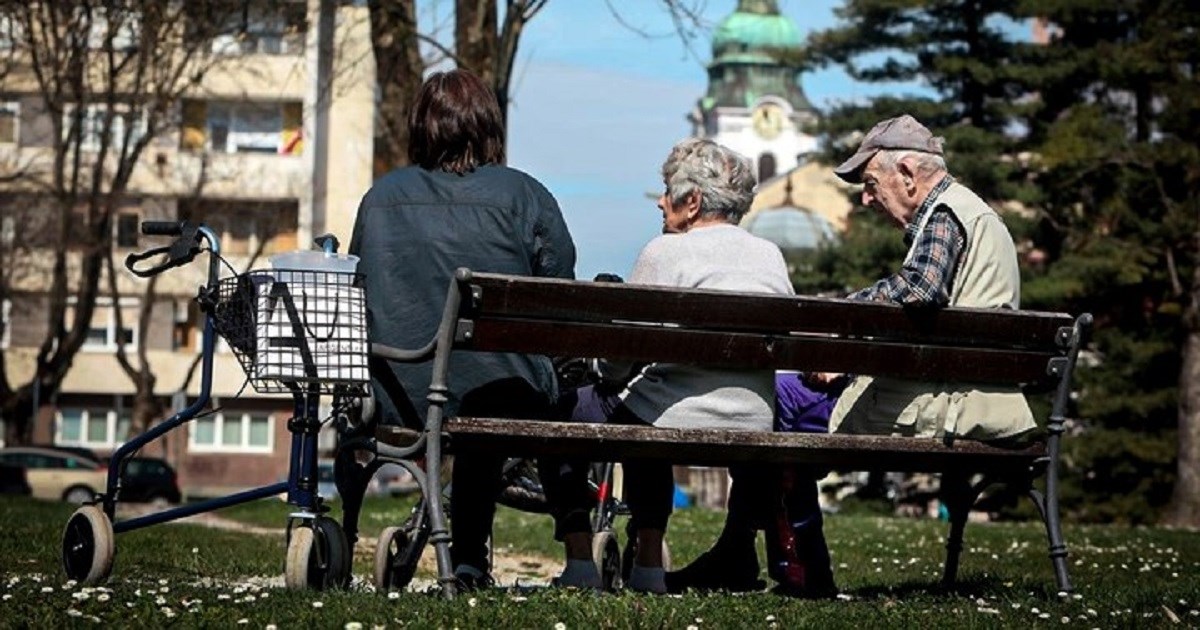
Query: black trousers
(649, 485)
(476, 476)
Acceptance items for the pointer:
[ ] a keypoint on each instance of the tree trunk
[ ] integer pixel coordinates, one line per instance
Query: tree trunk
(19, 417)
(147, 408)
(398, 69)
(475, 38)
(1184, 509)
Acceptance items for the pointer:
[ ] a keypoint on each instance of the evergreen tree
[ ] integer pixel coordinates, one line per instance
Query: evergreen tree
(1095, 132)
(958, 48)
(1118, 170)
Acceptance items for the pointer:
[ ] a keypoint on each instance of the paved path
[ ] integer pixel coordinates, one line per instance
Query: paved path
(511, 568)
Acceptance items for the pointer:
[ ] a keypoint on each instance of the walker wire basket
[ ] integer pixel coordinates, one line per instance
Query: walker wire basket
(296, 331)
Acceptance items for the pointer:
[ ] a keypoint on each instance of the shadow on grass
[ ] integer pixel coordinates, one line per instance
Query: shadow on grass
(986, 587)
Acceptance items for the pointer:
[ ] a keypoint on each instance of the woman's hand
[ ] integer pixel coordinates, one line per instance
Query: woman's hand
(822, 381)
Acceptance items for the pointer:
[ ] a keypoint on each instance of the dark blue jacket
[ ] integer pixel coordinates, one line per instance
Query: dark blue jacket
(414, 228)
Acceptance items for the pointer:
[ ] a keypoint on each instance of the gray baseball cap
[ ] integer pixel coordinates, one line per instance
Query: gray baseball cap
(901, 132)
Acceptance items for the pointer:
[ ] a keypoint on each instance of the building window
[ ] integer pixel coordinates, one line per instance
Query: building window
(127, 229)
(189, 329)
(11, 32)
(274, 31)
(92, 427)
(232, 432)
(243, 127)
(92, 126)
(10, 121)
(239, 236)
(102, 333)
(122, 27)
(246, 228)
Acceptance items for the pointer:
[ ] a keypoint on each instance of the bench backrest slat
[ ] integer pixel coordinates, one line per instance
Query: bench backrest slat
(542, 298)
(749, 350)
(637, 323)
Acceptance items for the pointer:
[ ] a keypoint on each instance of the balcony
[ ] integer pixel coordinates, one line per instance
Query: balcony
(259, 176)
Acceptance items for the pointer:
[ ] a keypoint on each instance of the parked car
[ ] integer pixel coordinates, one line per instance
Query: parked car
(81, 451)
(326, 486)
(13, 481)
(149, 480)
(57, 474)
(392, 480)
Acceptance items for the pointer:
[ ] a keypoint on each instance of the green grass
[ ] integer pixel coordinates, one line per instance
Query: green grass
(887, 568)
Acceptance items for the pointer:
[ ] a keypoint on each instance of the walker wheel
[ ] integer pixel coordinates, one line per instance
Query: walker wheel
(318, 556)
(396, 556)
(606, 553)
(87, 545)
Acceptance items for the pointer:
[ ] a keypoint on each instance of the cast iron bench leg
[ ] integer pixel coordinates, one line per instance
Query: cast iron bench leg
(439, 533)
(1048, 510)
(959, 495)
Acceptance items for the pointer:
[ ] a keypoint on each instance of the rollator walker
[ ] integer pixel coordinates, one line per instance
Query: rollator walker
(298, 331)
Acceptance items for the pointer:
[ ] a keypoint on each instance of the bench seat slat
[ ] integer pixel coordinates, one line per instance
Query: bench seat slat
(545, 298)
(607, 442)
(748, 350)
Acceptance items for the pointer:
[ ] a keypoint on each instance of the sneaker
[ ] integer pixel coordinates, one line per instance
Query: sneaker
(581, 574)
(647, 580)
(718, 571)
(467, 578)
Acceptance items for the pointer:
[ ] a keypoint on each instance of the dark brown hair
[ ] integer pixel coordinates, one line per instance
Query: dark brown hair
(455, 124)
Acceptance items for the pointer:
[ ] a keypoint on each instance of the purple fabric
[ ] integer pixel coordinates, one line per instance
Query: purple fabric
(800, 409)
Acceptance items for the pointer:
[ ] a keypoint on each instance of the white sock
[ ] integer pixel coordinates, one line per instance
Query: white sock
(580, 574)
(647, 579)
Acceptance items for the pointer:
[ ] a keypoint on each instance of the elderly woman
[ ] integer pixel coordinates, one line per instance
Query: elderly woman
(457, 206)
(707, 190)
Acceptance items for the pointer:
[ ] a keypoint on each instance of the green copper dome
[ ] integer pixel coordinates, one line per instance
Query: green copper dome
(753, 31)
(747, 64)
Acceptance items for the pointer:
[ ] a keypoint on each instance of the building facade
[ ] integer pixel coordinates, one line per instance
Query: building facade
(272, 147)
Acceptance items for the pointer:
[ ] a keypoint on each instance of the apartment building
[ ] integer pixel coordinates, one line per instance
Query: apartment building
(271, 148)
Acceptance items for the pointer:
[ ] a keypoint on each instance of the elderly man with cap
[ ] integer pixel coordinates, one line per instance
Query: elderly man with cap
(960, 254)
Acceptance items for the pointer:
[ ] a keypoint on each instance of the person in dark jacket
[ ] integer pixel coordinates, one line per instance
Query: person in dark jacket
(457, 206)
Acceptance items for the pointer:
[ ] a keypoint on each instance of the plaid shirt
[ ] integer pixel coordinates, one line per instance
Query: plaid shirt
(928, 275)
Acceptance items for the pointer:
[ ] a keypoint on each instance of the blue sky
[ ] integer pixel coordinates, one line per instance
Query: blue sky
(596, 107)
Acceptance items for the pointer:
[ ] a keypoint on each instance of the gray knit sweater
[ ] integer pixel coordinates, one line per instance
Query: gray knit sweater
(720, 257)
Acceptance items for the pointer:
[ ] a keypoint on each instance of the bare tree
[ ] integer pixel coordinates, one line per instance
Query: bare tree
(487, 46)
(486, 41)
(398, 70)
(106, 76)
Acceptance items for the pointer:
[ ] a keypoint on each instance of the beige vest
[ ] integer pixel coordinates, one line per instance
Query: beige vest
(987, 277)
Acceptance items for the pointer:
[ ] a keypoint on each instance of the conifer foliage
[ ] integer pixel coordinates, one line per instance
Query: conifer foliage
(1091, 135)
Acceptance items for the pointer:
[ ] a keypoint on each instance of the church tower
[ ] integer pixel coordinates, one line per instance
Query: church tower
(755, 104)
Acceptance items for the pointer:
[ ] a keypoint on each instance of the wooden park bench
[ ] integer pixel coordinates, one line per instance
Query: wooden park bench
(500, 313)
